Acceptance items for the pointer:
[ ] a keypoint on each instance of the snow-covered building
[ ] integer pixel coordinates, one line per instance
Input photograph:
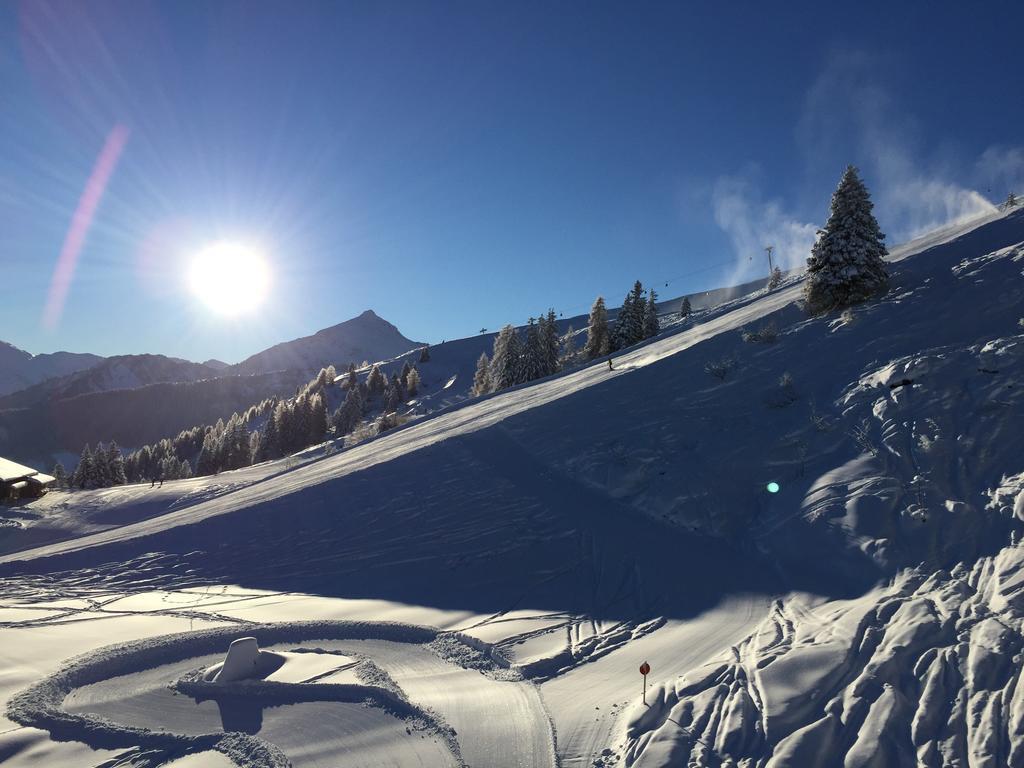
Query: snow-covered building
(18, 481)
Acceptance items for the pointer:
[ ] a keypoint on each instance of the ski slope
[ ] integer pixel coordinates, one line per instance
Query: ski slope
(588, 522)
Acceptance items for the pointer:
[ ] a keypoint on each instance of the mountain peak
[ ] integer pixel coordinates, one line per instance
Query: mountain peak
(366, 336)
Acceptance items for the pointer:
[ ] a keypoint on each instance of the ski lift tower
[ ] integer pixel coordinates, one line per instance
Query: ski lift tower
(771, 267)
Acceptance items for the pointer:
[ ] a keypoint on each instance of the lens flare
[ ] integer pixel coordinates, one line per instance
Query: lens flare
(81, 221)
(773, 487)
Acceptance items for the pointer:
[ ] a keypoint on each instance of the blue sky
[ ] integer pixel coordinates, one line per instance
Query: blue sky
(462, 165)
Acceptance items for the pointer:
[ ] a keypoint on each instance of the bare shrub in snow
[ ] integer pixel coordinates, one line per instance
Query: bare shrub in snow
(388, 421)
(847, 317)
(721, 368)
(766, 334)
(785, 394)
(861, 434)
(821, 422)
(363, 431)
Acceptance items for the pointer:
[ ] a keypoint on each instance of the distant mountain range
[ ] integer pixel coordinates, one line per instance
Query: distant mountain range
(119, 372)
(27, 379)
(19, 369)
(57, 402)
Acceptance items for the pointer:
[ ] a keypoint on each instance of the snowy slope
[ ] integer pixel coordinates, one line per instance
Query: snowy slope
(600, 518)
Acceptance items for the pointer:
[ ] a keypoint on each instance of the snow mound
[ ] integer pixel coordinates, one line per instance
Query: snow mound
(924, 671)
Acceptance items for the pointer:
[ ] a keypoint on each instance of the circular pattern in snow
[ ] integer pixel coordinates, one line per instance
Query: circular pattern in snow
(362, 687)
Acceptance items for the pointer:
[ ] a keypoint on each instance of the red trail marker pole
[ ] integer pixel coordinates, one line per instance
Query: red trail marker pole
(644, 669)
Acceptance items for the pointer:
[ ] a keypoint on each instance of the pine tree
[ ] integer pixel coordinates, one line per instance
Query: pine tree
(317, 420)
(651, 325)
(412, 382)
(846, 263)
(405, 372)
(270, 440)
(351, 378)
(684, 308)
(208, 462)
(302, 421)
(482, 377)
(629, 323)
(549, 343)
(775, 279)
(392, 398)
(398, 383)
(375, 381)
(100, 467)
(60, 475)
(115, 465)
(568, 346)
(1011, 202)
(598, 340)
(425, 355)
(505, 360)
(349, 414)
(84, 475)
(532, 360)
(620, 335)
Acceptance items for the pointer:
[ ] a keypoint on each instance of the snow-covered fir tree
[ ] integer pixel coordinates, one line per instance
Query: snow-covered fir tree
(351, 377)
(549, 340)
(629, 324)
(532, 362)
(270, 440)
(598, 340)
(651, 325)
(349, 414)
(60, 475)
(392, 398)
(1010, 202)
(375, 381)
(684, 308)
(846, 263)
(775, 279)
(482, 378)
(412, 382)
(100, 468)
(115, 465)
(317, 419)
(568, 344)
(506, 358)
(84, 475)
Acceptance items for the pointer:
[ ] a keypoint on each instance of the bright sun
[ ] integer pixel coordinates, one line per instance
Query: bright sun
(230, 278)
